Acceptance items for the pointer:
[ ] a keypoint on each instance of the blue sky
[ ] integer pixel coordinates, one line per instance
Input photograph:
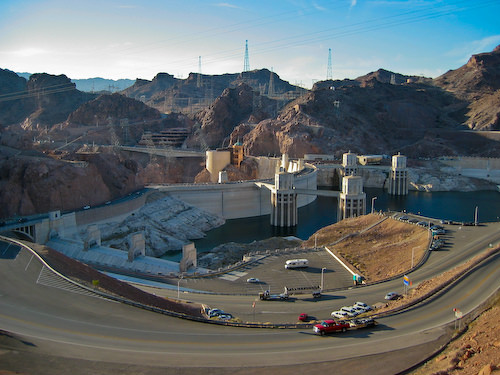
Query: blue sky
(138, 39)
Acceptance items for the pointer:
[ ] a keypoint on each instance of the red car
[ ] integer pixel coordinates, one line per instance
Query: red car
(329, 326)
(303, 317)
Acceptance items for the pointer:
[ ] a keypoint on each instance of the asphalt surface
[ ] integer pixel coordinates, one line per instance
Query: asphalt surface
(48, 319)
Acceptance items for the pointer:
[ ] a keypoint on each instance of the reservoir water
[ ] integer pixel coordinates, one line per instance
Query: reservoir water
(456, 206)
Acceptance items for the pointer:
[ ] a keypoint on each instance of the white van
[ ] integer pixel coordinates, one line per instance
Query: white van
(296, 263)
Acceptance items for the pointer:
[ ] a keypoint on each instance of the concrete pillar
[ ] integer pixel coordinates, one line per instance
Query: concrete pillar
(216, 161)
(136, 246)
(189, 257)
(284, 201)
(92, 238)
(352, 199)
(398, 180)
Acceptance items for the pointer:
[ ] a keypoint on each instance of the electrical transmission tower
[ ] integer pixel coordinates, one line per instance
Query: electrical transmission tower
(198, 80)
(329, 74)
(270, 90)
(246, 64)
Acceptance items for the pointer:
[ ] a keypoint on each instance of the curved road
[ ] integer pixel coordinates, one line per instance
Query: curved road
(59, 319)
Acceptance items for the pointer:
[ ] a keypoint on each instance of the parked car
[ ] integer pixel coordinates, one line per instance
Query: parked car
(340, 314)
(392, 296)
(358, 309)
(225, 316)
(215, 312)
(363, 305)
(303, 317)
(253, 280)
(438, 231)
(350, 311)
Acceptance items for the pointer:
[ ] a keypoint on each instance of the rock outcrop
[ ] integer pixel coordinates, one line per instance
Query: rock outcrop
(477, 84)
(55, 98)
(114, 107)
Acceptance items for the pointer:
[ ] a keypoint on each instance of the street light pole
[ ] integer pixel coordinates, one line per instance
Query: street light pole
(322, 277)
(178, 287)
(412, 255)
(373, 203)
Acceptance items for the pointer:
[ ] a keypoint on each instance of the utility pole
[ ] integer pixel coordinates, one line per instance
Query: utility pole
(198, 81)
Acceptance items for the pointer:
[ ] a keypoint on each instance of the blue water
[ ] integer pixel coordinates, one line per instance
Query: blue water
(455, 206)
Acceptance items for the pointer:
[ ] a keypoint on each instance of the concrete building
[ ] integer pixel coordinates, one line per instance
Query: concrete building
(370, 159)
(352, 199)
(350, 164)
(237, 154)
(398, 180)
(216, 161)
(284, 201)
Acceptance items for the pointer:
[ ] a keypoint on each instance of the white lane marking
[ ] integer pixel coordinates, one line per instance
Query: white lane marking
(29, 263)
(48, 278)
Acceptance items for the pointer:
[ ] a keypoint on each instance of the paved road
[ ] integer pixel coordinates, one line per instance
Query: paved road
(57, 318)
(462, 243)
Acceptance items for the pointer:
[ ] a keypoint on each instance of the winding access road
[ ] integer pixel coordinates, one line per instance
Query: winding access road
(53, 317)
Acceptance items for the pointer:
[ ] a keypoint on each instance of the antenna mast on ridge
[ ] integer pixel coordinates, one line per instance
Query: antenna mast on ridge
(198, 81)
(329, 74)
(246, 64)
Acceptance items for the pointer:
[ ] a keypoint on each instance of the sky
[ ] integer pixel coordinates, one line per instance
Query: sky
(141, 38)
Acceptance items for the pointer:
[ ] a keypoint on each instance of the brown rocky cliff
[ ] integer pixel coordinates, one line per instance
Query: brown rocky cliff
(37, 185)
(218, 121)
(15, 104)
(477, 85)
(55, 98)
(112, 107)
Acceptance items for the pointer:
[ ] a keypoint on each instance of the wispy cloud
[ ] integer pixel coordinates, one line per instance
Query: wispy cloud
(227, 5)
(319, 7)
(353, 3)
(28, 52)
(465, 51)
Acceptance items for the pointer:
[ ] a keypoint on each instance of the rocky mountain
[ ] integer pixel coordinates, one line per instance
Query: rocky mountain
(15, 103)
(235, 106)
(55, 98)
(384, 113)
(114, 107)
(379, 113)
(96, 84)
(41, 101)
(477, 85)
(167, 93)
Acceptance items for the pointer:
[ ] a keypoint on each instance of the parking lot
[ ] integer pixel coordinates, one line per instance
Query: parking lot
(271, 273)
